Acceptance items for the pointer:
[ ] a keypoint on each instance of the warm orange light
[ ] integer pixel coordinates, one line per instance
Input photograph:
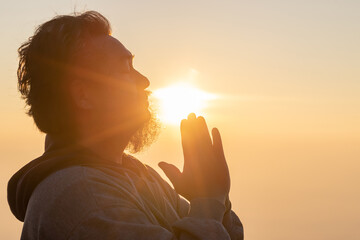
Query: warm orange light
(180, 99)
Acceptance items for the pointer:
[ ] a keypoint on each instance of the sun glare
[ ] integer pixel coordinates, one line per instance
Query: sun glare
(178, 100)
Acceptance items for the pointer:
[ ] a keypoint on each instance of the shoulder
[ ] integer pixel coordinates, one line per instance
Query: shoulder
(59, 193)
(89, 186)
(57, 204)
(66, 197)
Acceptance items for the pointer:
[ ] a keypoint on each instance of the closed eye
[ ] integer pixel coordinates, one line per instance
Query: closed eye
(131, 59)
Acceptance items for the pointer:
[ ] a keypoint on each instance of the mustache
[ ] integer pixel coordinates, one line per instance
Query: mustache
(148, 93)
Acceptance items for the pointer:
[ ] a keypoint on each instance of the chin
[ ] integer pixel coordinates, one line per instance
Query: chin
(143, 117)
(147, 115)
(146, 131)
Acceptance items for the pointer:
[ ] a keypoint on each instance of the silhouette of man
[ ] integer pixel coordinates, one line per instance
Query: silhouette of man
(84, 93)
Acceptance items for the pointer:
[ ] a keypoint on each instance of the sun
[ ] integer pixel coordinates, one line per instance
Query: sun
(178, 100)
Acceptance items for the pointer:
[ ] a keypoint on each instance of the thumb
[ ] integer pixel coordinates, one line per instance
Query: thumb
(172, 172)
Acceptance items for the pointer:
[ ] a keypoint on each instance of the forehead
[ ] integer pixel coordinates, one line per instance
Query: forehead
(109, 47)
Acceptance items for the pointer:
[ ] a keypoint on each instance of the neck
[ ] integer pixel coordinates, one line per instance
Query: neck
(110, 149)
(105, 145)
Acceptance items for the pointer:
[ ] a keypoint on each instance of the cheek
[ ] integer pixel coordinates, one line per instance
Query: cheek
(118, 100)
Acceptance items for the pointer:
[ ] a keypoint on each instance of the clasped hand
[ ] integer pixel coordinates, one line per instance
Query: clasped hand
(205, 173)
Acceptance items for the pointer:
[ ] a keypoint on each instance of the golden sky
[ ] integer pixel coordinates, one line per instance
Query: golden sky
(287, 74)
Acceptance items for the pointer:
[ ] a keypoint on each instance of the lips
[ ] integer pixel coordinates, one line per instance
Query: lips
(144, 101)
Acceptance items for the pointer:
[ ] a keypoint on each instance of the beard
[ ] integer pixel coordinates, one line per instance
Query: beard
(146, 134)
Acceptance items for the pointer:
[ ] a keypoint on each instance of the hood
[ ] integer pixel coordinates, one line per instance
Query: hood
(59, 154)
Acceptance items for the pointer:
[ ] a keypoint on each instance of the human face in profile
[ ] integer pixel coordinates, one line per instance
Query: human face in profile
(119, 100)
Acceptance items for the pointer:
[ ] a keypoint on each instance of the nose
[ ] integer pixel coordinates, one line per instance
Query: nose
(141, 81)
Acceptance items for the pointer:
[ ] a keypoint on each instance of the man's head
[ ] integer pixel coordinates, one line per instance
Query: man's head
(73, 75)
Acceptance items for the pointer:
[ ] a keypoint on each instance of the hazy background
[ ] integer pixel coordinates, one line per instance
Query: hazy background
(289, 72)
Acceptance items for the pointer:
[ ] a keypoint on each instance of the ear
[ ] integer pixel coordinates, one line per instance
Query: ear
(80, 94)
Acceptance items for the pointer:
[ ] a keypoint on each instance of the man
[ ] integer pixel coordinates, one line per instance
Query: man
(84, 93)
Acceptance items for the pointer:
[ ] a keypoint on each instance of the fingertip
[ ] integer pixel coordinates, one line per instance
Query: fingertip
(214, 130)
(201, 122)
(160, 164)
(192, 116)
(201, 118)
(216, 133)
(183, 122)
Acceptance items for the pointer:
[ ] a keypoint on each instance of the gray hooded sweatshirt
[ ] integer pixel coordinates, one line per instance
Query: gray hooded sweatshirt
(71, 193)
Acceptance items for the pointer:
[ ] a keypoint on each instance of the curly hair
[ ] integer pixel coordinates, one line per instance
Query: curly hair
(44, 62)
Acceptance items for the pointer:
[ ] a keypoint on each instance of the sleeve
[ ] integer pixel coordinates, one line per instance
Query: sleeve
(231, 221)
(118, 214)
(126, 223)
(118, 223)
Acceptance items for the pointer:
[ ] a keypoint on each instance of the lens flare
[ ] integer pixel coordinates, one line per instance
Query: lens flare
(178, 100)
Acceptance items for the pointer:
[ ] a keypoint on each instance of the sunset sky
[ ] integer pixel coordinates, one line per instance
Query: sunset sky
(281, 81)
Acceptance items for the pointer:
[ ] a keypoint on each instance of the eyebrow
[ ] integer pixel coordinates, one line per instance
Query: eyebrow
(128, 56)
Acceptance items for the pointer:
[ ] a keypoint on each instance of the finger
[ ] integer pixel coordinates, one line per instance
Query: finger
(192, 131)
(191, 116)
(217, 143)
(186, 141)
(203, 133)
(191, 120)
(172, 172)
